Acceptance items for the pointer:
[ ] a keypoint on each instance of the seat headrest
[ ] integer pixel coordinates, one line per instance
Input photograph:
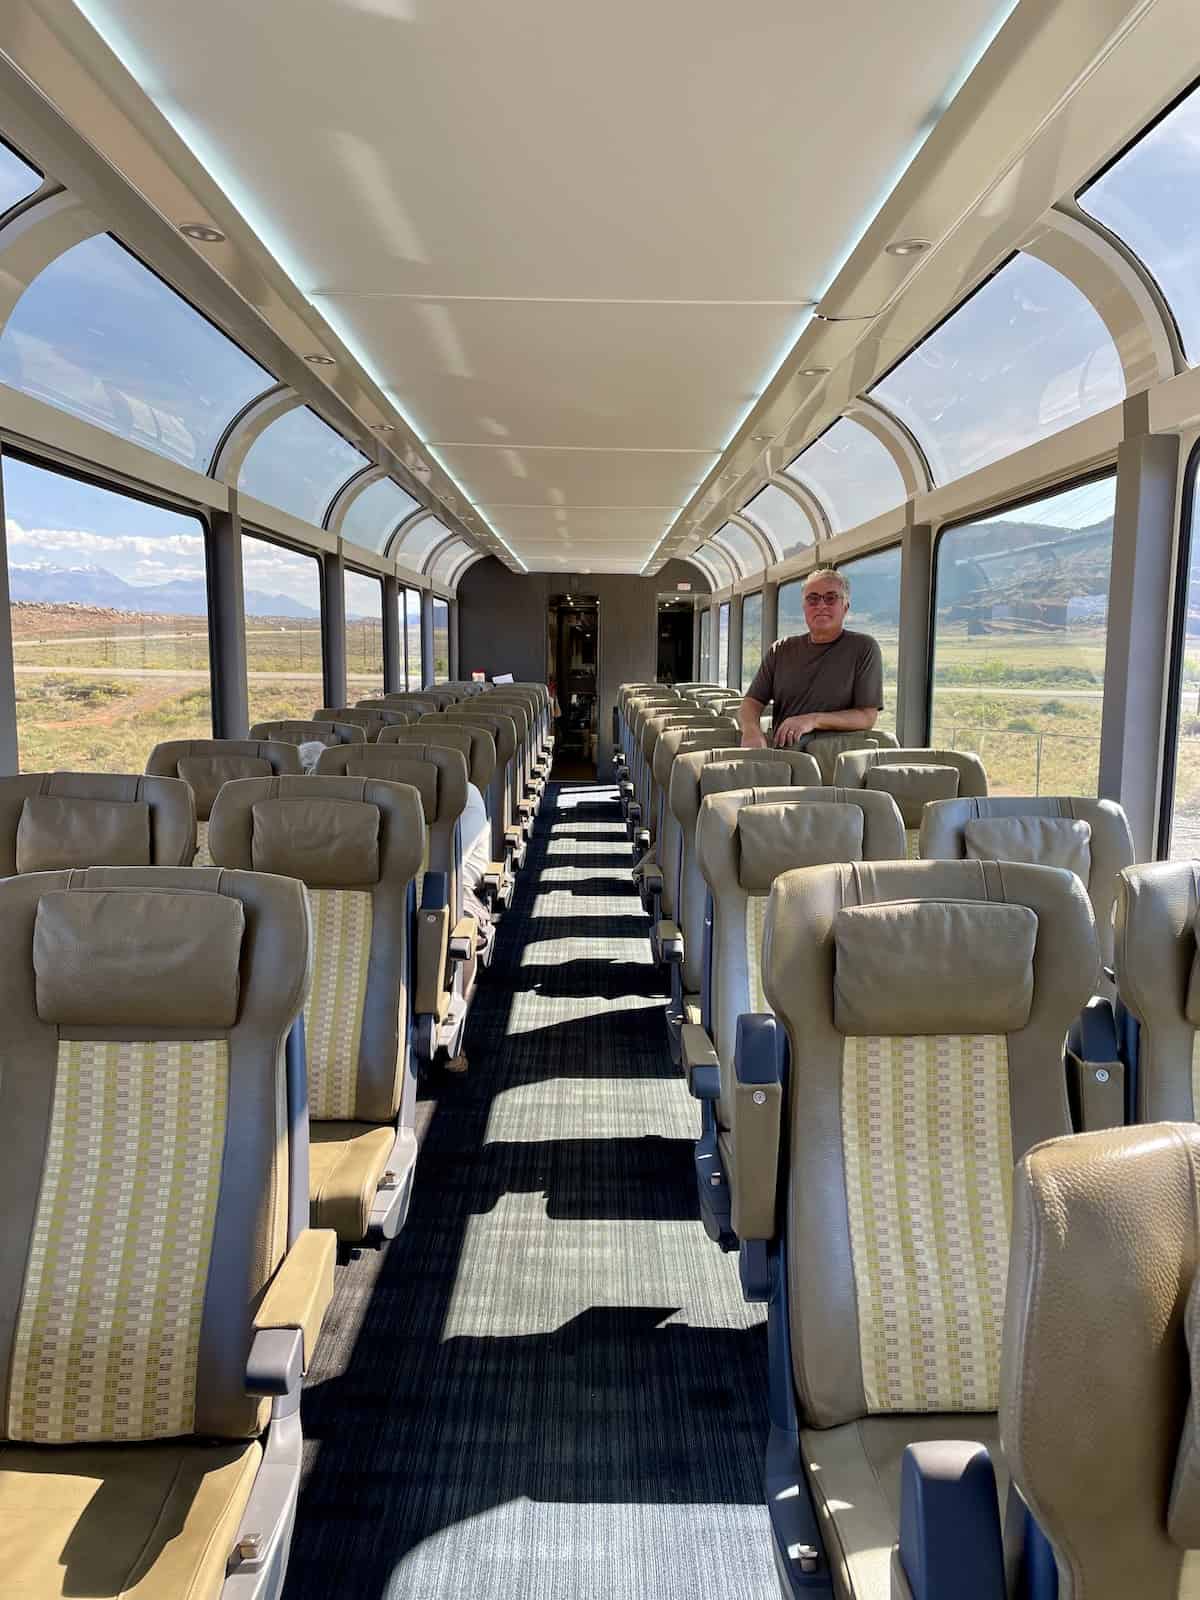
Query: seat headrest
(206, 774)
(438, 775)
(301, 730)
(933, 966)
(758, 769)
(330, 832)
(776, 837)
(138, 958)
(57, 831)
(1048, 841)
(912, 786)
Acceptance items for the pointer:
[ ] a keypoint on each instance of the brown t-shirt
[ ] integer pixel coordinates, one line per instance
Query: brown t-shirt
(797, 675)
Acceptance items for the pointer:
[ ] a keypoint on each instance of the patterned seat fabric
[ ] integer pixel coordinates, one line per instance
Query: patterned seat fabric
(925, 1007)
(144, 1179)
(1157, 959)
(51, 820)
(358, 844)
(206, 764)
(914, 778)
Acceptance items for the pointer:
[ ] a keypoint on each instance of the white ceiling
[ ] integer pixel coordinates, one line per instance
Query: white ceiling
(572, 244)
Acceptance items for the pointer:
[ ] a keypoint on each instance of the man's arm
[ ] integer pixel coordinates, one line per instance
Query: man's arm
(858, 719)
(749, 720)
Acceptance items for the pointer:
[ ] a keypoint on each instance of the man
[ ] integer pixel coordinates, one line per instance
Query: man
(825, 679)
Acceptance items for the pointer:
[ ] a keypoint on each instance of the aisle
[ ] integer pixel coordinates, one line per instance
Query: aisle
(548, 1386)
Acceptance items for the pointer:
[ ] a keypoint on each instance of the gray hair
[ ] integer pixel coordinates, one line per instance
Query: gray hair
(830, 572)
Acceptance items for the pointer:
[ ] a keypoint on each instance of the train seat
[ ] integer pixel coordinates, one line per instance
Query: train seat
(142, 1067)
(389, 715)
(521, 706)
(509, 826)
(1102, 1358)
(368, 720)
(449, 943)
(826, 747)
(1157, 960)
(627, 766)
(358, 845)
(744, 839)
(413, 701)
(914, 778)
(305, 730)
(658, 873)
(678, 937)
(923, 1005)
(205, 764)
(643, 815)
(53, 820)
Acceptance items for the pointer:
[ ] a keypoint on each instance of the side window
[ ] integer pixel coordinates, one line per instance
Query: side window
(752, 644)
(875, 609)
(282, 594)
(705, 642)
(441, 641)
(1181, 838)
(364, 636)
(1020, 612)
(723, 643)
(791, 609)
(412, 638)
(109, 608)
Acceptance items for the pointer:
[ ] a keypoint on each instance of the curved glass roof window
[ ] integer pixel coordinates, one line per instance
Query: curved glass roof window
(99, 335)
(375, 514)
(1148, 199)
(18, 179)
(851, 473)
(298, 464)
(451, 557)
(720, 562)
(1023, 358)
(783, 519)
(748, 558)
(417, 540)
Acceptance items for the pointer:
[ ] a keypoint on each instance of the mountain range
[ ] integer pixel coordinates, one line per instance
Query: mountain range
(94, 586)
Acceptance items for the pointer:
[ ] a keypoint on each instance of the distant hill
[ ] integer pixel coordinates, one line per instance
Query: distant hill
(93, 586)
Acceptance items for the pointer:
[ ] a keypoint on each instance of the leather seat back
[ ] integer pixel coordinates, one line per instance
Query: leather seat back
(369, 721)
(142, 1068)
(503, 730)
(925, 1006)
(388, 715)
(656, 772)
(298, 731)
(672, 743)
(476, 744)
(1089, 837)
(205, 764)
(914, 778)
(744, 839)
(1101, 1361)
(765, 769)
(1158, 979)
(53, 820)
(358, 845)
(826, 747)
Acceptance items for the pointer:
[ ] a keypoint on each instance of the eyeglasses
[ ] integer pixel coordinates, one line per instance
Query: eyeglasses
(831, 597)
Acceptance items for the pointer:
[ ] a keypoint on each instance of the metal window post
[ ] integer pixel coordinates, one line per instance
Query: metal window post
(913, 681)
(333, 625)
(393, 638)
(227, 625)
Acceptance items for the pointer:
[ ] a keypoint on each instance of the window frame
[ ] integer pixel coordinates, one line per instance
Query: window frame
(1025, 498)
(43, 176)
(1178, 644)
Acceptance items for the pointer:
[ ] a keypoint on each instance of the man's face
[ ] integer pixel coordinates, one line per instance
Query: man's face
(825, 608)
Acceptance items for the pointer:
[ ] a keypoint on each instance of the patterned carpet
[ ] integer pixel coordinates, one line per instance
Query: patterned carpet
(549, 1385)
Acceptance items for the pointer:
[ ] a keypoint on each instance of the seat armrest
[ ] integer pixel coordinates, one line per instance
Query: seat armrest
(433, 937)
(296, 1301)
(462, 939)
(668, 940)
(950, 1540)
(651, 875)
(641, 838)
(757, 1118)
(700, 1062)
(1095, 1070)
(491, 883)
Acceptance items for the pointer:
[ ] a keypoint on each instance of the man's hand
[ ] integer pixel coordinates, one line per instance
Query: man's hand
(793, 728)
(753, 739)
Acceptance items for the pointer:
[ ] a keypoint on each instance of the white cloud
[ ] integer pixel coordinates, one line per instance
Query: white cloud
(100, 544)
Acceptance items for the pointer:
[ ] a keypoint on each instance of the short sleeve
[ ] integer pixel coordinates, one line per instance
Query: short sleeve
(762, 686)
(868, 676)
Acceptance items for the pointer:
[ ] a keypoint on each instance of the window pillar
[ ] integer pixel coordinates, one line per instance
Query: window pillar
(10, 763)
(916, 638)
(227, 626)
(393, 638)
(427, 673)
(333, 625)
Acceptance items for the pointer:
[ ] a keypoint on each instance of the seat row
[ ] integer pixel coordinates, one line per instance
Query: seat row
(885, 1039)
(208, 1078)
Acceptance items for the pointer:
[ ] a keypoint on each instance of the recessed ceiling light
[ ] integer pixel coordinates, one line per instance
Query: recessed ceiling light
(204, 232)
(320, 361)
(383, 427)
(906, 247)
(813, 372)
(761, 438)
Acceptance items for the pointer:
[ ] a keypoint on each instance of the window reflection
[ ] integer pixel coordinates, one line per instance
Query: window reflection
(875, 609)
(705, 640)
(791, 609)
(109, 613)
(441, 641)
(298, 463)
(284, 663)
(740, 548)
(364, 636)
(1021, 608)
(723, 643)
(376, 513)
(851, 473)
(417, 540)
(782, 517)
(1024, 357)
(98, 335)
(752, 645)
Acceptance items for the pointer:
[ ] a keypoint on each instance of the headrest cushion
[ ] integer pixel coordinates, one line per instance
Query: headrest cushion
(206, 774)
(933, 966)
(911, 787)
(57, 831)
(138, 958)
(1042, 841)
(742, 772)
(328, 844)
(774, 838)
